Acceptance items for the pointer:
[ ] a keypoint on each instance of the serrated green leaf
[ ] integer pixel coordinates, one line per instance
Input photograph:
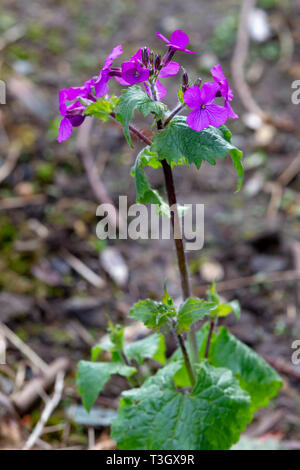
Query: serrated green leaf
(157, 417)
(178, 141)
(134, 98)
(192, 310)
(113, 343)
(152, 347)
(153, 314)
(102, 108)
(221, 309)
(92, 377)
(254, 374)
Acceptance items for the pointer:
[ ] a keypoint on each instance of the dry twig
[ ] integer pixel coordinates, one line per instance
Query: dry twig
(24, 399)
(238, 73)
(83, 270)
(10, 162)
(24, 348)
(261, 278)
(93, 176)
(48, 410)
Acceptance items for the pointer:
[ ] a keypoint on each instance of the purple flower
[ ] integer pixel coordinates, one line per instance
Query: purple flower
(134, 72)
(101, 84)
(204, 113)
(224, 89)
(177, 42)
(72, 113)
(172, 68)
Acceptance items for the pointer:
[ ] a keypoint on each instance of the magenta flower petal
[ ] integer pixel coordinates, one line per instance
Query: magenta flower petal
(162, 37)
(230, 94)
(177, 41)
(133, 72)
(188, 51)
(115, 53)
(101, 86)
(122, 81)
(76, 120)
(217, 115)
(198, 119)
(208, 92)
(192, 97)
(217, 73)
(221, 80)
(137, 55)
(64, 130)
(179, 38)
(230, 111)
(169, 70)
(71, 94)
(161, 90)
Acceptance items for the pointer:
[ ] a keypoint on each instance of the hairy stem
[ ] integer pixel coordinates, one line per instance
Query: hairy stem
(173, 113)
(211, 329)
(135, 131)
(181, 257)
(186, 359)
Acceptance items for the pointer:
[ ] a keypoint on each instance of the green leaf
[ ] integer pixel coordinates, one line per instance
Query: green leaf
(178, 141)
(152, 314)
(92, 377)
(134, 98)
(152, 347)
(222, 310)
(192, 310)
(113, 343)
(180, 95)
(102, 108)
(145, 194)
(254, 374)
(157, 417)
(181, 377)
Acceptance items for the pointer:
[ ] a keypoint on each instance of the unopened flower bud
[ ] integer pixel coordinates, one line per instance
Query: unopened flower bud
(157, 61)
(145, 56)
(198, 81)
(185, 81)
(151, 57)
(168, 57)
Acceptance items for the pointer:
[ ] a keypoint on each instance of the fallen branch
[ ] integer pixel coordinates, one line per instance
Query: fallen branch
(93, 176)
(48, 410)
(13, 34)
(276, 188)
(283, 367)
(239, 58)
(23, 400)
(9, 203)
(24, 348)
(10, 162)
(83, 270)
(261, 278)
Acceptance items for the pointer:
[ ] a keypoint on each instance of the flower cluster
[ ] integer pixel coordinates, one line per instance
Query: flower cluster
(147, 68)
(201, 100)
